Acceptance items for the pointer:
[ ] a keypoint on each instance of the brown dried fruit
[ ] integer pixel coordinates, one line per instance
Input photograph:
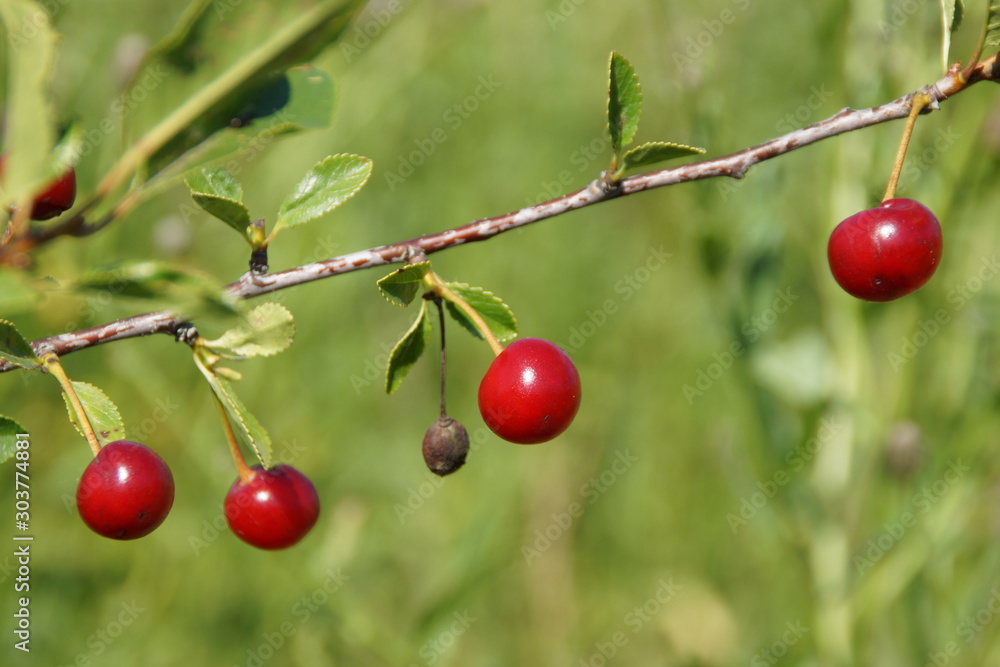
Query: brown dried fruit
(445, 447)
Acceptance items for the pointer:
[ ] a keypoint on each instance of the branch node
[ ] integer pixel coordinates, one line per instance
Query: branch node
(739, 172)
(608, 184)
(42, 348)
(414, 255)
(186, 333)
(258, 262)
(935, 95)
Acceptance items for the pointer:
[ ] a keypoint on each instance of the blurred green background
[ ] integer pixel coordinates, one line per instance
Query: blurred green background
(763, 471)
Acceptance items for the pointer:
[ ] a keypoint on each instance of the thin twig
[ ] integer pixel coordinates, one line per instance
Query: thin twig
(734, 165)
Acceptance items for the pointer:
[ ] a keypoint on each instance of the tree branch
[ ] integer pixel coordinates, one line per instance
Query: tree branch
(734, 165)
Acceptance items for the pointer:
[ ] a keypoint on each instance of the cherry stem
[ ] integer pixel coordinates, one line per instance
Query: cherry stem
(55, 369)
(444, 355)
(244, 471)
(918, 103)
(435, 283)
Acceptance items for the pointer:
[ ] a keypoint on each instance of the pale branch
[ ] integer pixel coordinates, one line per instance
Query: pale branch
(734, 165)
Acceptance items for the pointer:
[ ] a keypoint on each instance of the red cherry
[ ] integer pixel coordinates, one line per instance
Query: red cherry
(530, 392)
(56, 198)
(274, 509)
(125, 492)
(886, 252)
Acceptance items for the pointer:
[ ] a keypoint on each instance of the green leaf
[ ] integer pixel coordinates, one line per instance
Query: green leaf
(268, 330)
(236, 145)
(402, 285)
(101, 412)
(329, 184)
(310, 105)
(229, 61)
(497, 314)
(408, 350)
(9, 430)
(657, 151)
(29, 120)
(624, 102)
(188, 292)
(218, 193)
(952, 12)
(248, 430)
(993, 24)
(14, 348)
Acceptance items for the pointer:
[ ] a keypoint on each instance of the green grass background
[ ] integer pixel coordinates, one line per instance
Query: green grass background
(404, 569)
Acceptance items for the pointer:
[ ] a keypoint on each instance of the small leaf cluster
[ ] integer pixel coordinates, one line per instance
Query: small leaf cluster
(624, 109)
(403, 285)
(330, 183)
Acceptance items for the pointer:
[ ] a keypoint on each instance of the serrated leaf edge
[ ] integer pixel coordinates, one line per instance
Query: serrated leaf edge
(452, 309)
(280, 224)
(16, 360)
(387, 296)
(231, 403)
(223, 351)
(611, 98)
(73, 418)
(695, 150)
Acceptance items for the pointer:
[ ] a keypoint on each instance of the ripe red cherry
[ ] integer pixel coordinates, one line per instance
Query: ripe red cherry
(530, 393)
(56, 198)
(274, 509)
(125, 492)
(886, 252)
